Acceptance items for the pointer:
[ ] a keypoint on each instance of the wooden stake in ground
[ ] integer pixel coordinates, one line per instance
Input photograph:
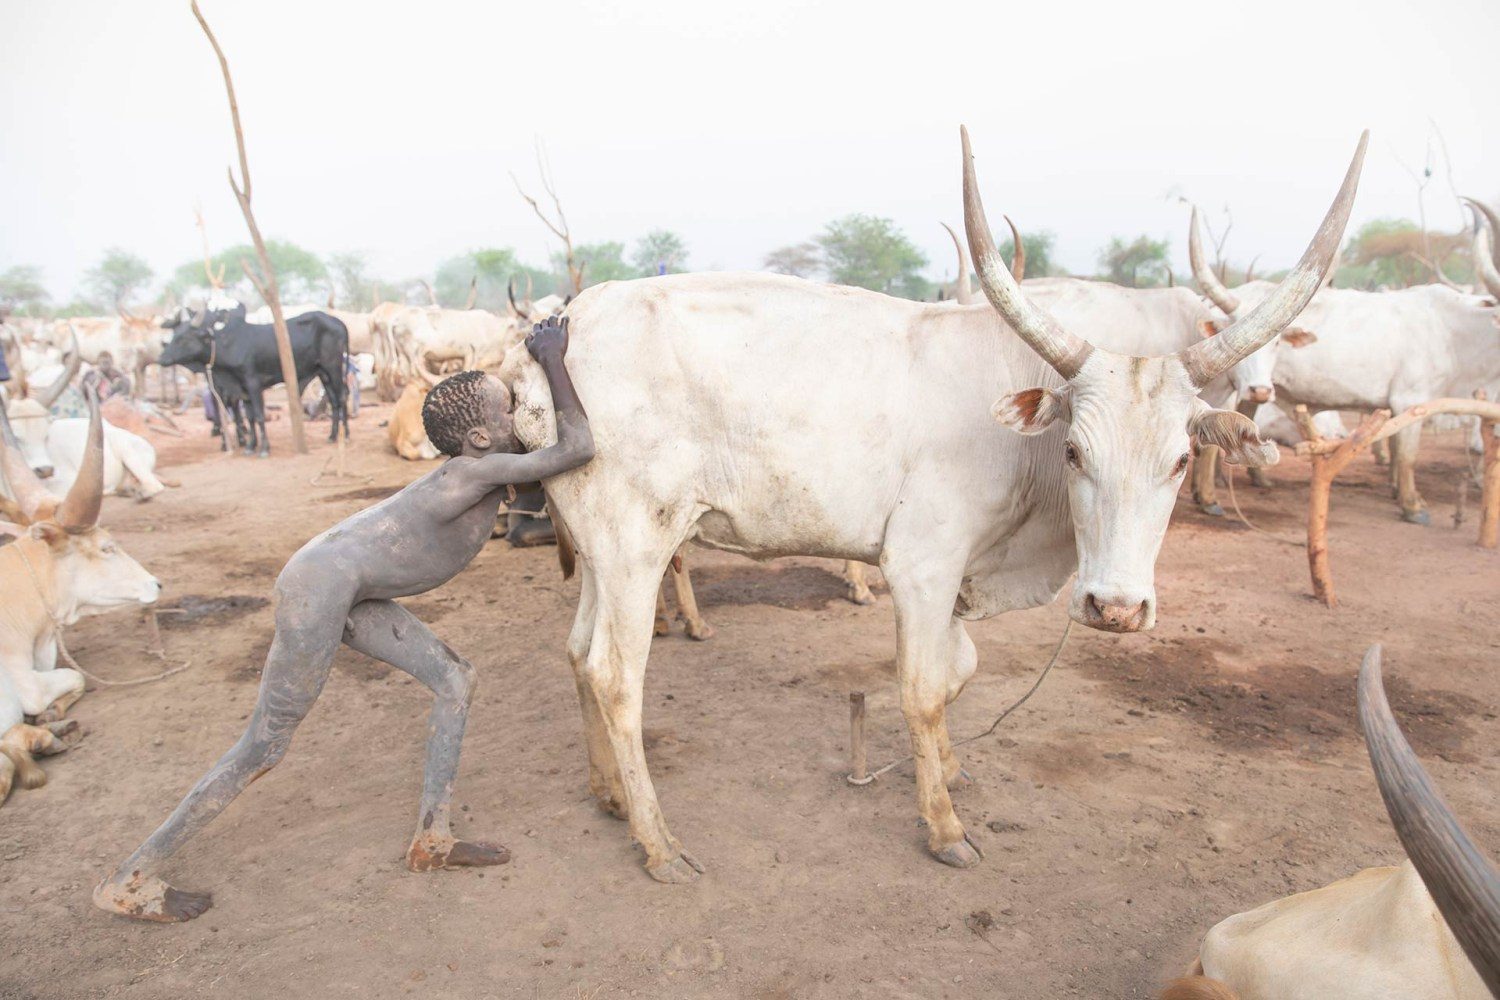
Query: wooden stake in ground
(265, 282)
(859, 767)
(1489, 502)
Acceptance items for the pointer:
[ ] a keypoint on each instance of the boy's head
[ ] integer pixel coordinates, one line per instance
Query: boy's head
(469, 414)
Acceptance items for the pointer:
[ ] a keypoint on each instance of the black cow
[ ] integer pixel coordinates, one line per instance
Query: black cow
(227, 394)
(245, 355)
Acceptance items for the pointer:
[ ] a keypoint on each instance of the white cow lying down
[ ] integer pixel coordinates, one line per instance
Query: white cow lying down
(1379, 934)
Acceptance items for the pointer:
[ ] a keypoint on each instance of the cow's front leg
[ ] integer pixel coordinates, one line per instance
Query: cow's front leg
(929, 643)
(1205, 488)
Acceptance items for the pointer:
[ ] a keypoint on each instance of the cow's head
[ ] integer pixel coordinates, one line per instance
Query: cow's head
(1253, 377)
(29, 416)
(192, 342)
(91, 573)
(1125, 426)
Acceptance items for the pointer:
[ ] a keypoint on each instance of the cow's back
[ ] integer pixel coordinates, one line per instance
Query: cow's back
(797, 417)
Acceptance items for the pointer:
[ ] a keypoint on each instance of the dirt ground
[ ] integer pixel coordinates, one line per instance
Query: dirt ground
(1154, 785)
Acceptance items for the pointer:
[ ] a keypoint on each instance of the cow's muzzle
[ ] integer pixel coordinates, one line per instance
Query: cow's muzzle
(1113, 614)
(1261, 394)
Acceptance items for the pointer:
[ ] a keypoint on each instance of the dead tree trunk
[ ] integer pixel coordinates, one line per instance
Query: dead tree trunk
(265, 282)
(1325, 467)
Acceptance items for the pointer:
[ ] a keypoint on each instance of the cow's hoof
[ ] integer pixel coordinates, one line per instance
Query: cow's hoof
(860, 595)
(662, 627)
(700, 631)
(449, 853)
(1416, 517)
(679, 871)
(1211, 509)
(1259, 479)
(961, 854)
(612, 805)
(959, 779)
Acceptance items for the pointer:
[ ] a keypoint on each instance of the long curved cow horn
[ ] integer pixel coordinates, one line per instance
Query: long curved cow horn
(1210, 358)
(79, 510)
(31, 495)
(963, 291)
(71, 363)
(1494, 220)
(1059, 348)
(1462, 881)
(1486, 230)
(510, 293)
(1204, 275)
(1018, 255)
(473, 292)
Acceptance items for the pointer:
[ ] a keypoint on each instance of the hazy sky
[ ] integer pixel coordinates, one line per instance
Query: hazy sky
(390, 127)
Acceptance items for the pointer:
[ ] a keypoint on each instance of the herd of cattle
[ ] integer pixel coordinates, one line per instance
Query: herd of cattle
(769, 416)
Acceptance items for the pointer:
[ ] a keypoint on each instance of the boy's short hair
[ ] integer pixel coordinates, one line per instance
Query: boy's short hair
(453, 407)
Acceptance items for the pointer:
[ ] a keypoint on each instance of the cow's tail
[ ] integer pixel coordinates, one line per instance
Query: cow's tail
(1197, 988)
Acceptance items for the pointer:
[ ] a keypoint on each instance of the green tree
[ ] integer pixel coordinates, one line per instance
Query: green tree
(117, 277)
(1392, 253)
(660, 251)
(801, 260)
(1140, 263)
(602, 262)
(353, 288)
(870, 252)
(1039, 246)
(299, 272)
(21, 289)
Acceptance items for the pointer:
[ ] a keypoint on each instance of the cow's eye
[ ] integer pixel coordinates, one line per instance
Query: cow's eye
(1071, 451)
(1181, 466)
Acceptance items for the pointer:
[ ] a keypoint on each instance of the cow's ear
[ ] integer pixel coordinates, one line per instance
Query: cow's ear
(48, 531)
(1297, 337)
(1233, 432)
(1031, 411)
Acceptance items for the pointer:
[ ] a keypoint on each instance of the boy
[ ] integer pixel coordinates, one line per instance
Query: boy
(339, 588)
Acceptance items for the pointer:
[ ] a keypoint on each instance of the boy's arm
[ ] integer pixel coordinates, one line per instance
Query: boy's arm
(548, 343)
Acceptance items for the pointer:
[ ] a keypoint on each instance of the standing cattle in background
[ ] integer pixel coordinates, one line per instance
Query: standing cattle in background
(1377, 350)
(135, 343)
(429, 336)
(1379, 934)
(246, 355)
(772, 416)
(60, 566)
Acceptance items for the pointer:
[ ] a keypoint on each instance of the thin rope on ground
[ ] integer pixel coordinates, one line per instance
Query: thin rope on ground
(1062, 640)
(1235, 503)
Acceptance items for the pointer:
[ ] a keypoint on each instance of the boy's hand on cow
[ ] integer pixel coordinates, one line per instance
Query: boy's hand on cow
(548, 340)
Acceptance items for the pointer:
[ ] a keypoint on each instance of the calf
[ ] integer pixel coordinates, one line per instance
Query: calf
(247, 356)
(60, 566)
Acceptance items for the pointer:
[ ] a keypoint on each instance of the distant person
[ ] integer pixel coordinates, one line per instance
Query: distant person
(338, 588)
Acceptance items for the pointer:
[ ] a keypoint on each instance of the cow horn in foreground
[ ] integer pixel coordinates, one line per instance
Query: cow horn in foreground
(1018, 255)
(71, 363)
(963, 291)
(31, 495)
(1058, 347)
(1494, 220)
(1210, 358)
(79, 510)
(1486, 229)
(1462, 882)
(1204, 361)
(1204, 275)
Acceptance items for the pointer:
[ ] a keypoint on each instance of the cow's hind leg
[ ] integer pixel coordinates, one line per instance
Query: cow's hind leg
(859, 587)
(1205, 489)
(309, 626)
(687, 601)
(604, 771)
(1404, 444)
(615, 670)
(388, 632)
(934, 657)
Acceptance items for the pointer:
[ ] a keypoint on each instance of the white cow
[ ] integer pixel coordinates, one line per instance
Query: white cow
(60, 566)
(1379, 934)
(428, 336)
(1377, 350)
(771, 416)
(134, 342)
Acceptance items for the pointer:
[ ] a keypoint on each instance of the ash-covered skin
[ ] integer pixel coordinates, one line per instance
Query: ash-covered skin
(338, 588)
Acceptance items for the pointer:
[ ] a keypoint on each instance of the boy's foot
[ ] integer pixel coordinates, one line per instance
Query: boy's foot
(429, 853)
(143, 897)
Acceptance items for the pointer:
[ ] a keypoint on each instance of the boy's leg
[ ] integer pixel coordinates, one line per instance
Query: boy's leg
(387, 631)
(308, 627)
